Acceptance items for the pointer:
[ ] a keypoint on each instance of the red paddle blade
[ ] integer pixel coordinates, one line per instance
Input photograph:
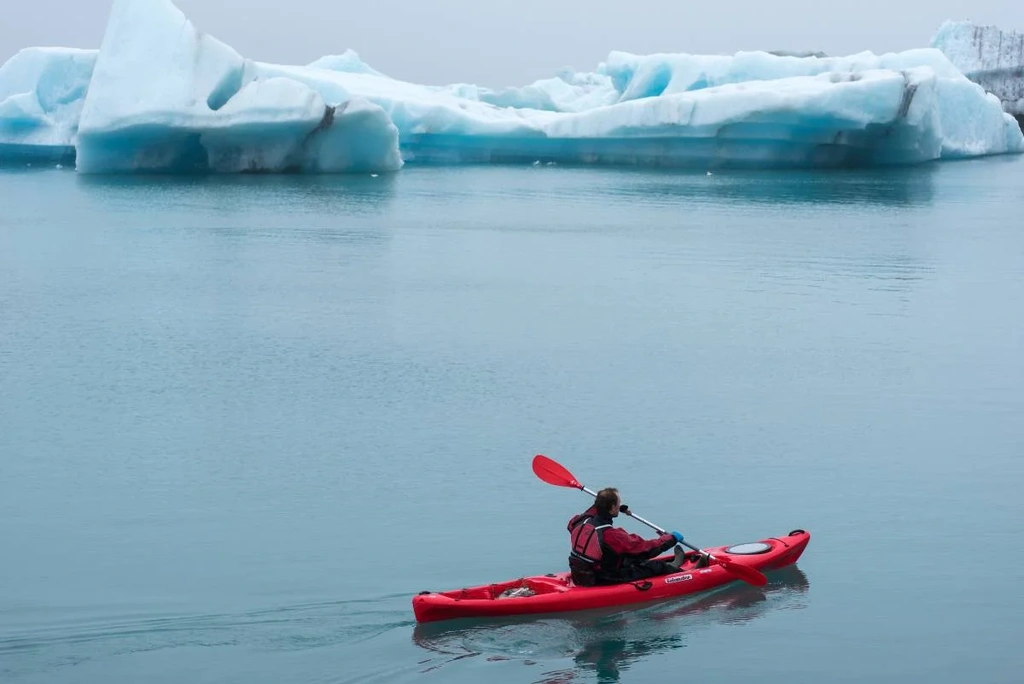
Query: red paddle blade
(553, 472)
(745, 573)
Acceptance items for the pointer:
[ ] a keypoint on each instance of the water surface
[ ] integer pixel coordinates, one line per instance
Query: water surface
(243, 420)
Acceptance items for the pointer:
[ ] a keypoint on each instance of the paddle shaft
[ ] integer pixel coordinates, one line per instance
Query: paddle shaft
(661, 531)
(653, 526)
(650, 524)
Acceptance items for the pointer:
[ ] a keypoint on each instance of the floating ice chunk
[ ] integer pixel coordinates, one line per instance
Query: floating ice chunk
(752, 109)
(41, 96)
(165, 97)
(851, 111)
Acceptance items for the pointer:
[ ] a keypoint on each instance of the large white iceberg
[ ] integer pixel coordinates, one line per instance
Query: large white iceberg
(752, 109)
(163, 96)
(195, 105)
(989, 56)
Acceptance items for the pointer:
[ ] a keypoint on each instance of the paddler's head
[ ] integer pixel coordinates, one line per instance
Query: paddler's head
(607, 502)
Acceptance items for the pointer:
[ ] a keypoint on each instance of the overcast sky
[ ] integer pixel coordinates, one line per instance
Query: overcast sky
(497, 43)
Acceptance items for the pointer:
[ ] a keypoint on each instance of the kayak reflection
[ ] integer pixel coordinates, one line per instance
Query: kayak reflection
(607, 641)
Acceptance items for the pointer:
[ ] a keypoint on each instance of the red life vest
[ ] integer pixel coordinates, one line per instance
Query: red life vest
(587, 550)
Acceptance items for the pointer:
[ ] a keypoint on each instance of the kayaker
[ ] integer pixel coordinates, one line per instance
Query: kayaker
(604, 554)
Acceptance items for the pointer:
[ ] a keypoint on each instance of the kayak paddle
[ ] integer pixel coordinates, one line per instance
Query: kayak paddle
(554, 473)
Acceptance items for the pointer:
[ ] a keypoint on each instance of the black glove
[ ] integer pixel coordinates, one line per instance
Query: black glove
(624, 509)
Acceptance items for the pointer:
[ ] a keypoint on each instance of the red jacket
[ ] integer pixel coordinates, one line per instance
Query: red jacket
(623, 543)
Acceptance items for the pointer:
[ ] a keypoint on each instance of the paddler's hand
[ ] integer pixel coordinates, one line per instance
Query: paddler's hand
(624, 509)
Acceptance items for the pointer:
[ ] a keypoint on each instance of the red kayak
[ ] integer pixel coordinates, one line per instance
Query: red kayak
(555, 592)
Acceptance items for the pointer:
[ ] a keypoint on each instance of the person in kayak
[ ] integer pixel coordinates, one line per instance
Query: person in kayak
(604, 554)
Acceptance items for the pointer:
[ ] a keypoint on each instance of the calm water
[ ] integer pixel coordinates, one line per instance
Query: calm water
(244, 420)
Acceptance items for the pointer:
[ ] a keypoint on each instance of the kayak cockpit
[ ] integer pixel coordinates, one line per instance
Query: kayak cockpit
(517, 588)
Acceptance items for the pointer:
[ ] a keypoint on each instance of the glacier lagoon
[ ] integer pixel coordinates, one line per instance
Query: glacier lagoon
(211, 384)
(160, 95)
(221, 394)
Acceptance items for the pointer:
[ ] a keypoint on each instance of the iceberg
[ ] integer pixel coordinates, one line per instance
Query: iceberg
(204, 111)
(753, 109)
(159, 95)
(990, 57)
(41, 95)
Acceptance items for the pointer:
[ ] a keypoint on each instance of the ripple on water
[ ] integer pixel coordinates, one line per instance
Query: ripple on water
(281, 628)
